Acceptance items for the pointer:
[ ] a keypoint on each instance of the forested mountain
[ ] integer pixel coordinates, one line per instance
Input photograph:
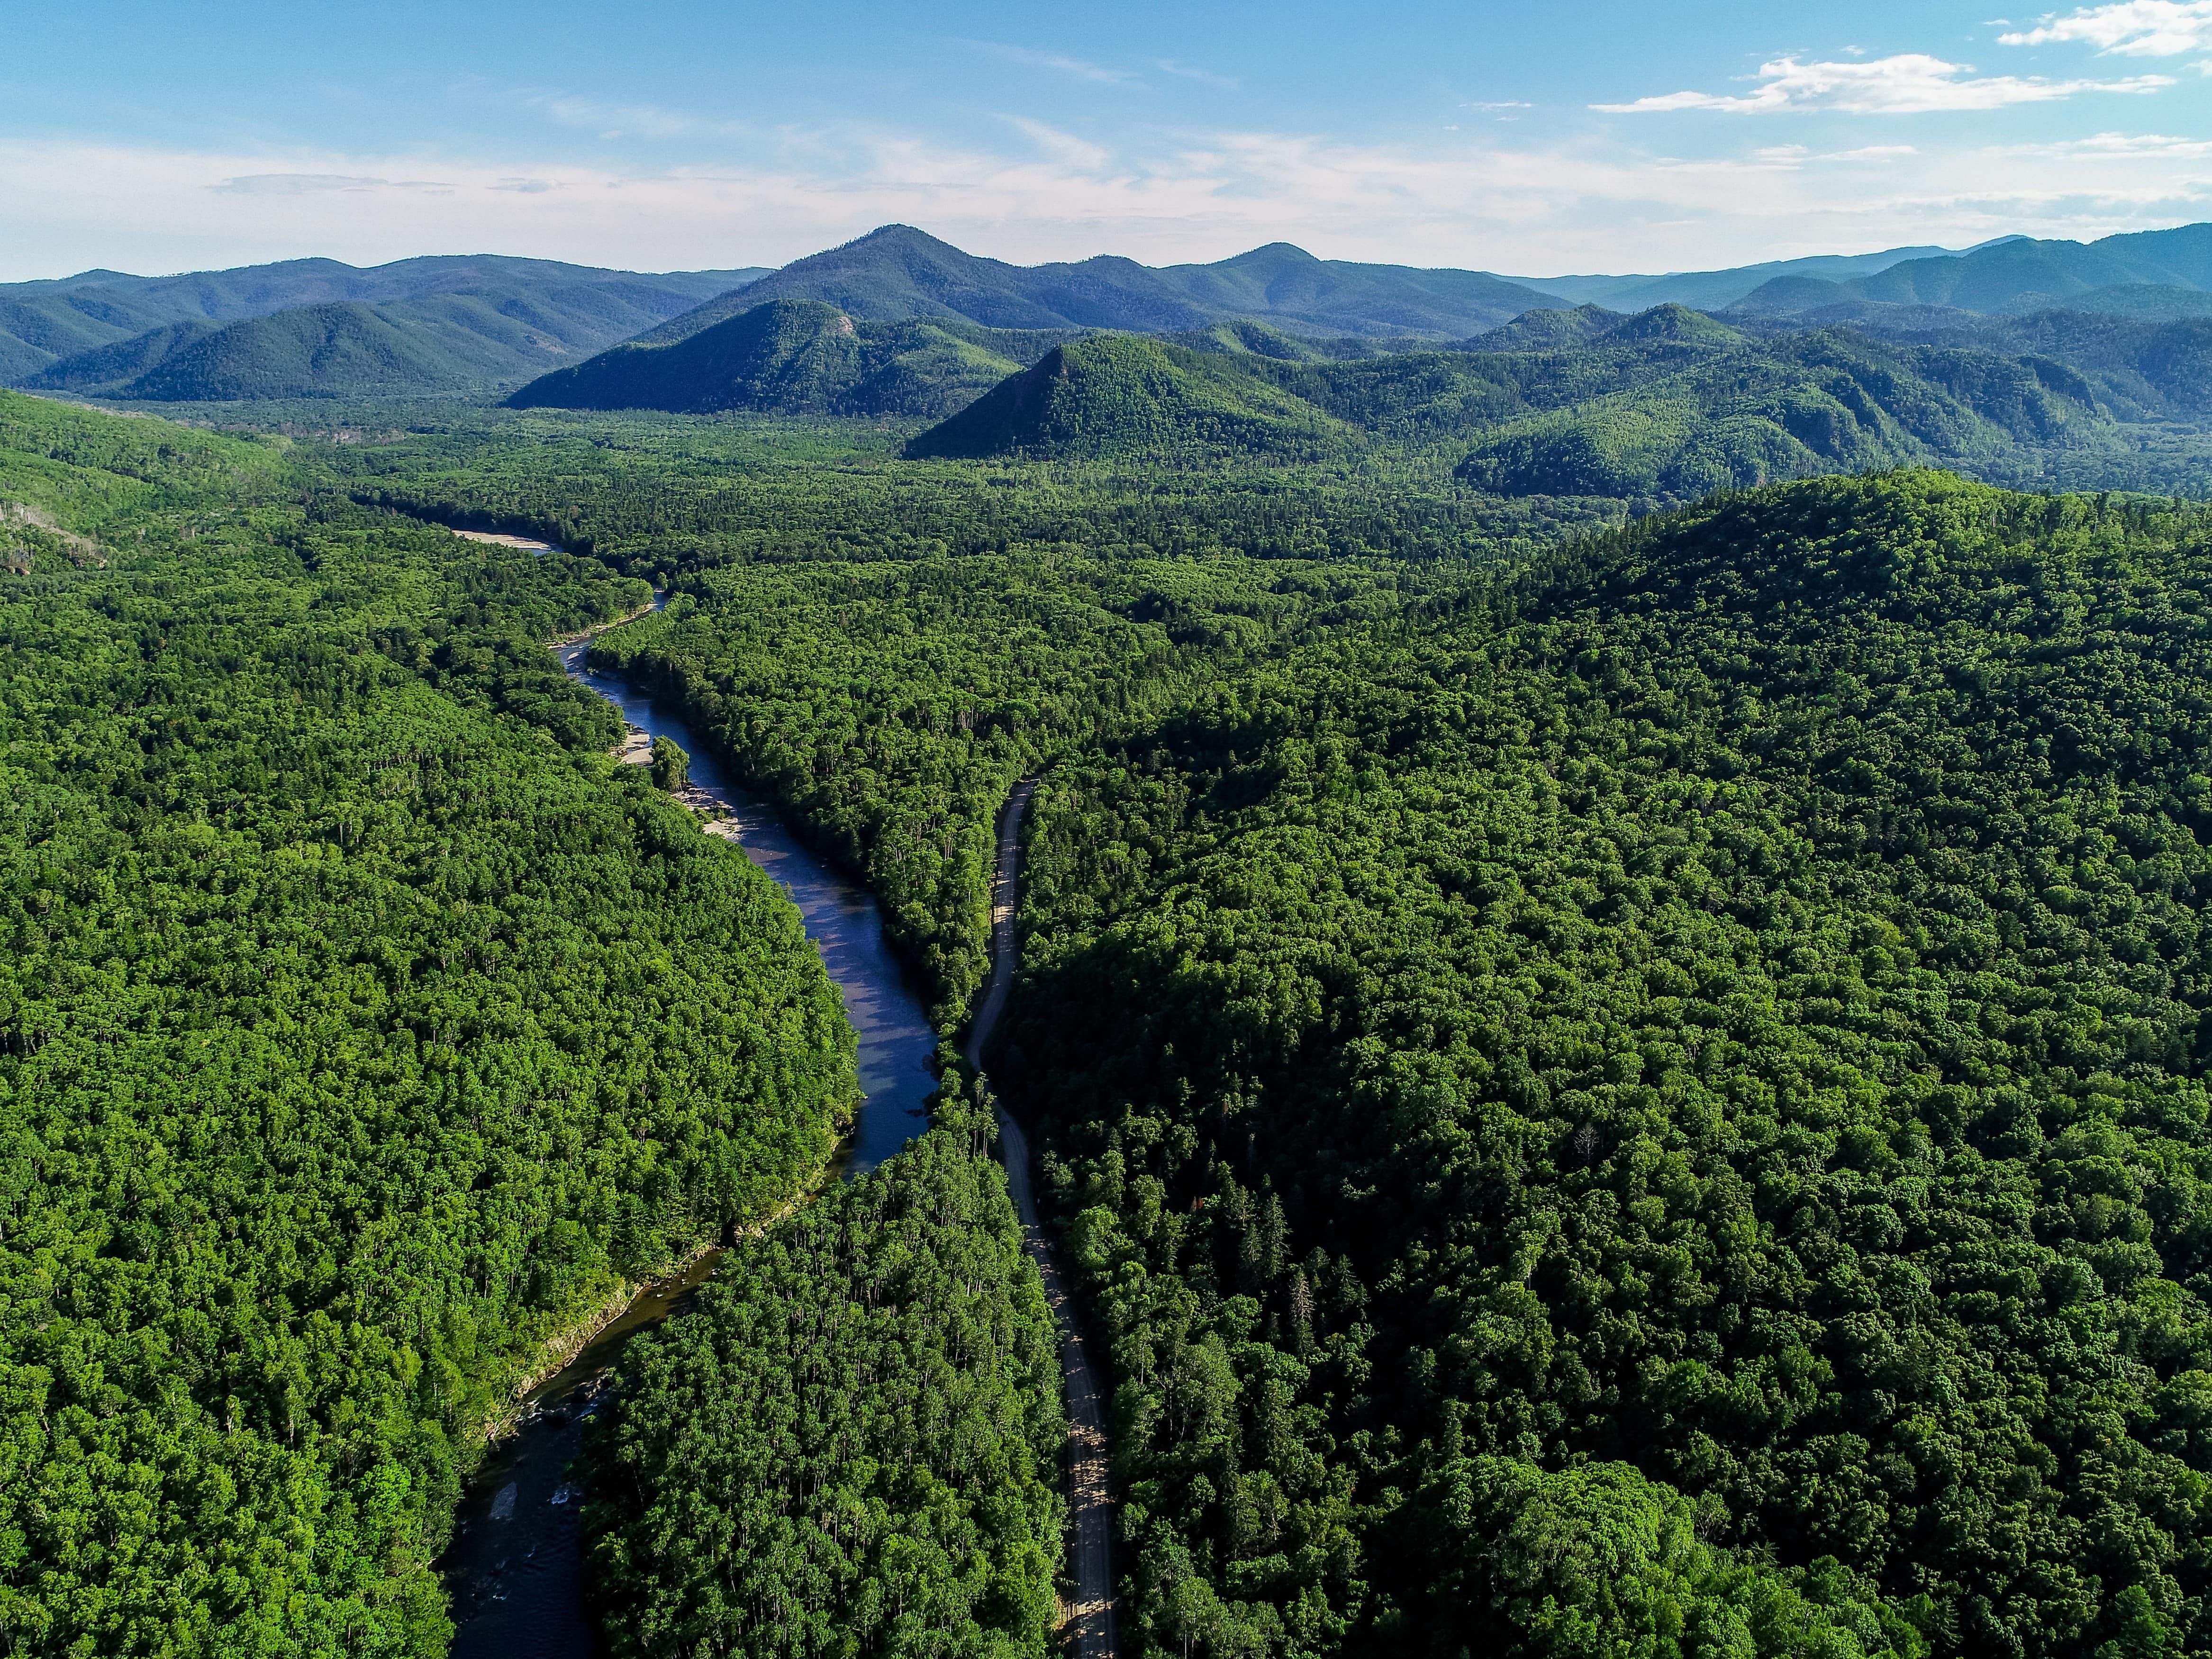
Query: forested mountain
(867, 1407)
(1124, 396)
(798, 357)
(571, 309)
(896, 272)
(363, 1030)
(1684, 1103)
(1665, 405)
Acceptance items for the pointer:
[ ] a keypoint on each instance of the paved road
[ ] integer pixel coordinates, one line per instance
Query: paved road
(1093, 1612)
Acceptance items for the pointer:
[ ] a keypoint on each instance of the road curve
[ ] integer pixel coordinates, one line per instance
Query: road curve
(1092, 1615)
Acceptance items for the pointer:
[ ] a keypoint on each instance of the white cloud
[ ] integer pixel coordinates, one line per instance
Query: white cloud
(2134, 28)
(1465, 199)
(1910, 83)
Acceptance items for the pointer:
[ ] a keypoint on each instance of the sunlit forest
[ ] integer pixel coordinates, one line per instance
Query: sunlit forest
(1615, 1034)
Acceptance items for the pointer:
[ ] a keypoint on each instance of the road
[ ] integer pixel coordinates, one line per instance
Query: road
(1092, 1512)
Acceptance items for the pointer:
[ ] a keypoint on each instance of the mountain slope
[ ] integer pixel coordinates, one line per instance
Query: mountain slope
(791, 357)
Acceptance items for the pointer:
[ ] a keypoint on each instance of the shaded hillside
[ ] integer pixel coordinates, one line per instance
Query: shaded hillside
(897, 272)
(1123, 396)
(795, 357)
(42, 323)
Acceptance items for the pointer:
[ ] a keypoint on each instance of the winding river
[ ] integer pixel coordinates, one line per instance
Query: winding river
(514, 1569)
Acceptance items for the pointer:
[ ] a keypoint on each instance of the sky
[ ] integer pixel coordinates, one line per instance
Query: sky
(1525, 139)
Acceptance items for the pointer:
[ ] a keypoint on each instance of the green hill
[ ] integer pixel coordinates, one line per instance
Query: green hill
(1548, 330)
(1123, 396)
(1668, 403)
(1824, 401)
(795, 357)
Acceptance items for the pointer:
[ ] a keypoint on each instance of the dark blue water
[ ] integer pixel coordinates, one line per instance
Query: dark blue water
(514, 1569)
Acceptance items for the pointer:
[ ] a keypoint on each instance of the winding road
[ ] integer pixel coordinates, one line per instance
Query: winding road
(1092, 1615)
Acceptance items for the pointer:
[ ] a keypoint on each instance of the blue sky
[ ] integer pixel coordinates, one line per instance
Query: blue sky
(1518, 139)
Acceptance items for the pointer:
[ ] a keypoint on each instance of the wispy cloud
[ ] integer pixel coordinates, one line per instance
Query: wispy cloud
(1064, 147)
(315, 183)
(1191, 72)
(1059, 63)
(1511, 103)
(2132, 28)
(1910, 83)
(629, 120)
(2118, 146)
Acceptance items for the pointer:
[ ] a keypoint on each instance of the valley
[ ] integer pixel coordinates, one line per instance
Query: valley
(1291, 957)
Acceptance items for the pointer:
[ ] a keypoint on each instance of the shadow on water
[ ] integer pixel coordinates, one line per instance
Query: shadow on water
(514, 1569)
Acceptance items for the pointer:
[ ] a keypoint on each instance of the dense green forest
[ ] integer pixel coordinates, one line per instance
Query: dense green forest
(854, 1446)
(890, 705)
(1614, 1081)
(363, 1030)
(1676, 1107)
(1646, 1099)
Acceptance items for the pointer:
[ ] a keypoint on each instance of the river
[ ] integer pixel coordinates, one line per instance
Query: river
(514, 1569)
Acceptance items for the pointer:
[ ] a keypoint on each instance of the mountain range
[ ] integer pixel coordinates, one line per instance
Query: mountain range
(1667, 405)
(483, 324)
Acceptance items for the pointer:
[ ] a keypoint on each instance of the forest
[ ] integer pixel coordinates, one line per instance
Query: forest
(1618, 1061)
(362, 1032)
(854, 1446)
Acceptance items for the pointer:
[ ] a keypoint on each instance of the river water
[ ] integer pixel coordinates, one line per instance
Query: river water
(514, 1569)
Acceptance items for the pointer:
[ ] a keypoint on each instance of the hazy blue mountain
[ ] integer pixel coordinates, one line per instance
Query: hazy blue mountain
(450, 342)
(2143, 273)
(42, 323)
(1716, 290)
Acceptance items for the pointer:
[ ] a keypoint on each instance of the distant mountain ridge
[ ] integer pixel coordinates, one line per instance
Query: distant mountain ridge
(570, 310)
(896, 273)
